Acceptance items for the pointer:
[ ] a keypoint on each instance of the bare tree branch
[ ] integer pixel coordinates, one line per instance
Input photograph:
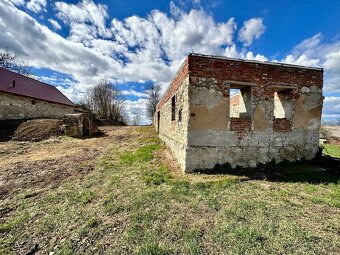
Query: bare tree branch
(153, 92)
(136, 120)
(11, 61)
(106, 101)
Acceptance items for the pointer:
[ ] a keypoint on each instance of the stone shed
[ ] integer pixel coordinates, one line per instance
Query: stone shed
(79, 124)
(220, 110)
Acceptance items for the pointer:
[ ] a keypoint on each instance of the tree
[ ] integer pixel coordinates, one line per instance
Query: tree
(136, 120)
(337, 122)
(153, 96)
(105, 101)
(11, 61)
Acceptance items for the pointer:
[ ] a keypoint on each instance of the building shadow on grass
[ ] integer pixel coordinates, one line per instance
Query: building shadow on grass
(321, 170)
(100, 134)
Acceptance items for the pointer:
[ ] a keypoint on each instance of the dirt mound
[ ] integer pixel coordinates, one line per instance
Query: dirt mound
(37, 130)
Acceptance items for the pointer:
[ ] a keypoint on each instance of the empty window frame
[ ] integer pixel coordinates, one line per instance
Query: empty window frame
(173, 108)
(180, 115)
(240, 102)
(283, 104)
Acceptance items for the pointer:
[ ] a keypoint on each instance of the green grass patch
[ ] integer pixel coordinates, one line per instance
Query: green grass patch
(156, 176)
(331, 150)
(141, 155)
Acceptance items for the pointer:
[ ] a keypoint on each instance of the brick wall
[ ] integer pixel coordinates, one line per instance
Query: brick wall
(282, 125)
(254, 72)
(240, 124)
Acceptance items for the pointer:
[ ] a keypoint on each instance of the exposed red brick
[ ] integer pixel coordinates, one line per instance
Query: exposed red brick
(240, 124)
(265, 75)
(176, 82)
(255, 72)
(282, 125)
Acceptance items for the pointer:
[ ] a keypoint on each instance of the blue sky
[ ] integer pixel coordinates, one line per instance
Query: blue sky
(73, 44)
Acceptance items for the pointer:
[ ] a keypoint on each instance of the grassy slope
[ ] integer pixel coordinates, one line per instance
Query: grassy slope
(132, 204)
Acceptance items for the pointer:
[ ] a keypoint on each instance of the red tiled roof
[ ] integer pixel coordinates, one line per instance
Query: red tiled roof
(28, 87)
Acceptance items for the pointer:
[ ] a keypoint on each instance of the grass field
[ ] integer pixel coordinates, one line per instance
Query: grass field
(134, 201)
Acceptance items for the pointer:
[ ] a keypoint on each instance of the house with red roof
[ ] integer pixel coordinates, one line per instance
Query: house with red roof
(22, 97)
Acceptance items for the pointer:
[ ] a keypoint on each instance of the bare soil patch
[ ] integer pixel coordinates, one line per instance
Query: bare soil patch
(28, 166)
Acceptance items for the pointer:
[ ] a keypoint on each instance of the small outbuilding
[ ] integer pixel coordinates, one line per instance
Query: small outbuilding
(79, 124)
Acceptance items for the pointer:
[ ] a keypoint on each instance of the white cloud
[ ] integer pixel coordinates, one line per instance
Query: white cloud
(131, 92)
(17, 2)
(84, 14)
(46, 49)
(302, 60)
(313, 52)
(134, 108)
(332, 62)
(55, 24)
(331, 107)
(36, 5)
(252, 29)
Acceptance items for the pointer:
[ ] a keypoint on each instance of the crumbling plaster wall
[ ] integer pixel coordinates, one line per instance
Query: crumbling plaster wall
(19, 107)
(212, 138)
(210, 135)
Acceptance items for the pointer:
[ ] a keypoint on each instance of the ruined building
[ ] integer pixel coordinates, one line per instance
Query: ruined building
(219, 110)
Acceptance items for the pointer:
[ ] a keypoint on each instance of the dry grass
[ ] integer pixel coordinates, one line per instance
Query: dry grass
(133, 200)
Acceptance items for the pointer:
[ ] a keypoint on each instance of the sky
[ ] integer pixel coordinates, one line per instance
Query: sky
(74, 44)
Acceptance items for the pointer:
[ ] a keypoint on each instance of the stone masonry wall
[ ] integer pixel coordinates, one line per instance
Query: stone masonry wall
(18, 107)
(174, 132)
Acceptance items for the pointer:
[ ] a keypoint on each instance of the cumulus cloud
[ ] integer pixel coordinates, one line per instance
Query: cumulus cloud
(54, 24)
(17, 2)
(331, 107)
(46, 49)
(131, 92)
(313, 52)
(84, 17)
(136, 108)
(252, 29)
(36, 5)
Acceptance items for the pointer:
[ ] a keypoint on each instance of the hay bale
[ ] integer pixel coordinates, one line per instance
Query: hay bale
(38, 130)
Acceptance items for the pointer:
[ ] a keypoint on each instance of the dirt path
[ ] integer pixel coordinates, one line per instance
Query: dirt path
(27, 166)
